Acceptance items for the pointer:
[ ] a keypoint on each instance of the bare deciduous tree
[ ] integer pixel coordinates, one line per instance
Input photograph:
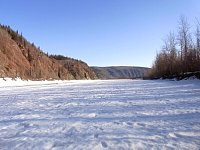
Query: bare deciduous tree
(179, 53)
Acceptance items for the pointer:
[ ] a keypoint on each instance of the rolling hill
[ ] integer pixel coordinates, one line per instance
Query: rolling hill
(120, 72)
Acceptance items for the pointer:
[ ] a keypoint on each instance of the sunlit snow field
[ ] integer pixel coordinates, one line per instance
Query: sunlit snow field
(123, 114)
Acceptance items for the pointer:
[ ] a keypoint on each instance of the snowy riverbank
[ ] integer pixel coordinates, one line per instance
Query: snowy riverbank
(9, 82)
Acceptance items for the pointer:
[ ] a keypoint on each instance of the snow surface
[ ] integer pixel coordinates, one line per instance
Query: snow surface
(123, 114)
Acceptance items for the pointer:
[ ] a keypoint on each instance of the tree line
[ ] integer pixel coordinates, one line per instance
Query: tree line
(180, 53)
(62, 57)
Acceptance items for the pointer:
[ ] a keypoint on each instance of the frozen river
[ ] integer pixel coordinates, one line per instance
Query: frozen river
(123, 114)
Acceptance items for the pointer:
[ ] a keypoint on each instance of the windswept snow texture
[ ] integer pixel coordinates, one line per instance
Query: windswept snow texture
(123, 114)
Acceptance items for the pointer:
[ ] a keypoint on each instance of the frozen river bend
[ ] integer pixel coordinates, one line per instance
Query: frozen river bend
(123, 114)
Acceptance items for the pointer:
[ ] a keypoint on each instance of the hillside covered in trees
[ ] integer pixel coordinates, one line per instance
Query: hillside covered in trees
(180, 54)
(20, 58)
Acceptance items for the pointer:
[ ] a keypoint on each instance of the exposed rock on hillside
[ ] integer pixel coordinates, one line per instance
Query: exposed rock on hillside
(20, 58)
(77, 68)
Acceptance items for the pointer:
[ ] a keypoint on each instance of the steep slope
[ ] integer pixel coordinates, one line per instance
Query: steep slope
(120, 72)
(20, 58)
(77, 68)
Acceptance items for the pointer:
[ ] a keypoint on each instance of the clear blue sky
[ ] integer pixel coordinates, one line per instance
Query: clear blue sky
(99, 32)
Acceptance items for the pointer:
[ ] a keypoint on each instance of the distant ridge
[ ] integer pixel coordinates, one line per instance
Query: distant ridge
(120, 72)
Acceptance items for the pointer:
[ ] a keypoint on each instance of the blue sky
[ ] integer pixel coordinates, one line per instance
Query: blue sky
(99, 32)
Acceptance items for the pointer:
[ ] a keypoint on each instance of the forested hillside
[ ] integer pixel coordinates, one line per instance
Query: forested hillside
(20, 58)
(180, 54)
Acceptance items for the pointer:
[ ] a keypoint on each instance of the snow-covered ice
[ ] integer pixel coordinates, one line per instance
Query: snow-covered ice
(122, 114)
